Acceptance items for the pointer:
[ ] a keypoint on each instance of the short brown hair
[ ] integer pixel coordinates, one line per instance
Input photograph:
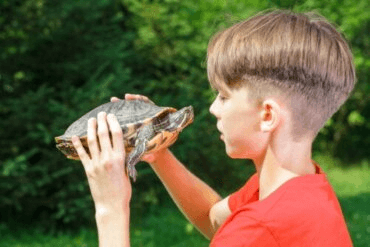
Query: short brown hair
(300, 56)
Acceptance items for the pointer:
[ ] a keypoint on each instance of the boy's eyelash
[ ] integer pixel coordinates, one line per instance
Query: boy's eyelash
(218, 95)
(222, 98)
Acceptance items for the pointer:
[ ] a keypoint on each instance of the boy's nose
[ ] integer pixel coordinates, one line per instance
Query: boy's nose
(212, 109)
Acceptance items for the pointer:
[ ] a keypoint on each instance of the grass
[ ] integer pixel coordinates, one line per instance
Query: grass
(352, 185)
(167, 227)
(163, 228)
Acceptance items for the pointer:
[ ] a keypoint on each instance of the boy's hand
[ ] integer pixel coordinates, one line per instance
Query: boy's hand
(132, 97)
(149, 158)
(105, 169)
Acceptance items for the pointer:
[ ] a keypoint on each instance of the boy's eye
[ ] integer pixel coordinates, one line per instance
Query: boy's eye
(222, 98)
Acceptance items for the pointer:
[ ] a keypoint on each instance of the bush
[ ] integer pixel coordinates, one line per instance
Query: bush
(61, 59)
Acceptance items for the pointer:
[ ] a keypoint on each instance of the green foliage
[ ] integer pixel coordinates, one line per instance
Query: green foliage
(161, 228)
(61, 59)
(348, 135)
(67, 58)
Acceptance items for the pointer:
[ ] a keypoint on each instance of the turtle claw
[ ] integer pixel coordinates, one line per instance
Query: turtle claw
(132, 172)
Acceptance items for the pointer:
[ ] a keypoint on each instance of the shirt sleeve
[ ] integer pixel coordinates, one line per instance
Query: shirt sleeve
(244, 195)
(243, 232)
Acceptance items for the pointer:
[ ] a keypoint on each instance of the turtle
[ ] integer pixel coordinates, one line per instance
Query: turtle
(146, 128)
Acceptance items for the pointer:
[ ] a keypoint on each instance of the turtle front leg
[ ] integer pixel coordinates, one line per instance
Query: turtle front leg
(145, 134)
(135, 156)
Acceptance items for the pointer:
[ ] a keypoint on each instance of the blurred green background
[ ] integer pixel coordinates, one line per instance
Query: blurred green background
(59, 59)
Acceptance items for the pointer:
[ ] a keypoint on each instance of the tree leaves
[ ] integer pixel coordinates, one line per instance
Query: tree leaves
(62, 58)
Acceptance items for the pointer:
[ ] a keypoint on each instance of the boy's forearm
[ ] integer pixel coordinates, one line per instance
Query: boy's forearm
(113, 227)
(193, 197)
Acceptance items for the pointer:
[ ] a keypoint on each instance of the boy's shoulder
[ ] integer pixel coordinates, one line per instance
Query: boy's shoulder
(289, 193)
(300, 192)
(308, 197)
(304, 210)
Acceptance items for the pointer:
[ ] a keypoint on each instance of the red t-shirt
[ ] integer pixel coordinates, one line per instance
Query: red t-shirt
(304, 211)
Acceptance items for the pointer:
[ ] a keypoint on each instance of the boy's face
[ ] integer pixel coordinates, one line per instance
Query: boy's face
(239, 121)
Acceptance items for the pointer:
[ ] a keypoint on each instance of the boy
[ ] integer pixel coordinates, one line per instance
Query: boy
(279, 77)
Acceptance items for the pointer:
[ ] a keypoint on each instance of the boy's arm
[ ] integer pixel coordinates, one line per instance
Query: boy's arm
(109, 184)
(113, 227)
(192, 196)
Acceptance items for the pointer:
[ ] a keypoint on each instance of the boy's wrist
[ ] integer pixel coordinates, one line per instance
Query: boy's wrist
(113, 226)
(160, 156)
(111, 211)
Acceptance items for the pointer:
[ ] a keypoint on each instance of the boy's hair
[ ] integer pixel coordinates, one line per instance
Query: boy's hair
(300, 57)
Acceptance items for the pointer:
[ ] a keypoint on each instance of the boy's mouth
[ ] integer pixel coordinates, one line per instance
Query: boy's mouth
(219, 129)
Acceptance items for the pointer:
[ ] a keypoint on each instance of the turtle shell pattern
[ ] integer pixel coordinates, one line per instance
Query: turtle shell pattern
(131, 115)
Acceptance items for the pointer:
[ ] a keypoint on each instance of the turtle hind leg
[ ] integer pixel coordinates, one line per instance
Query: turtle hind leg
(134, 158)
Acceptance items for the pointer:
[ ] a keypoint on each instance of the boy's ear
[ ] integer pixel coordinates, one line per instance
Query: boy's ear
(270, 115)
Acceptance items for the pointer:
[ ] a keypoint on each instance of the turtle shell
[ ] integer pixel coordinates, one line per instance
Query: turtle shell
(131, 115)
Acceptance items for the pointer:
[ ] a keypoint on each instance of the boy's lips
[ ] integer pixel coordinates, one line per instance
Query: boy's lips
(219, 129)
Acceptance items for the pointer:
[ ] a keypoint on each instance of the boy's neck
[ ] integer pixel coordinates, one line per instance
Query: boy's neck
(274, 170)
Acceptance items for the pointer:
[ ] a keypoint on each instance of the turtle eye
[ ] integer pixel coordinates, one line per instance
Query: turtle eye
(163, 115)
(162, 119)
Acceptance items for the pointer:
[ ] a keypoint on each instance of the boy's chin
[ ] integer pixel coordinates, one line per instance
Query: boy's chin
(238, 154)
(235, 154)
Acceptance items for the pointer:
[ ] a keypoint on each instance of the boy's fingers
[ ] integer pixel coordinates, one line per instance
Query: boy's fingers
(103, 132)
(114, 99)
(91, 138)
(130, 96)
(137, 97)
(80, 149)
(146, 99)
(117, 136)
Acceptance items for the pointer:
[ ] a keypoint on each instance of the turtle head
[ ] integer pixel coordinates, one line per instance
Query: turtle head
(180, 119)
